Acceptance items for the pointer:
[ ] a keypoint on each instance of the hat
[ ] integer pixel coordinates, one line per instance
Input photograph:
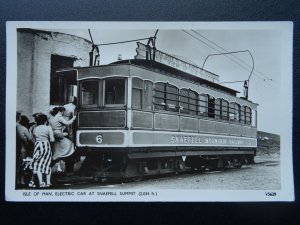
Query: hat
(36, 114)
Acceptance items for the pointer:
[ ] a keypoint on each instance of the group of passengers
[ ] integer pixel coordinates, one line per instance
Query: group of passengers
(44, 143)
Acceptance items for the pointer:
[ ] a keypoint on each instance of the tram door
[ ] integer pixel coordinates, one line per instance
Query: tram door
(68, 97)
(61, 87)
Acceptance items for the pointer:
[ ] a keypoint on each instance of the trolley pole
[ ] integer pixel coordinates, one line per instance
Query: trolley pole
(246, 82)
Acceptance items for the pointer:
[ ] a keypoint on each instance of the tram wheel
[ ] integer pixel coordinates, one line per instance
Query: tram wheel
(238, 166)
(197, 169)
(237, 163)
(137, 178)
(194, 169)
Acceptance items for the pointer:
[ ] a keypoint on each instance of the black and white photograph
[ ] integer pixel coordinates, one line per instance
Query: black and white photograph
(144, 111)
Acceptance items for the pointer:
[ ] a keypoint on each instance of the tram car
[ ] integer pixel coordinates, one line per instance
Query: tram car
(156, 115)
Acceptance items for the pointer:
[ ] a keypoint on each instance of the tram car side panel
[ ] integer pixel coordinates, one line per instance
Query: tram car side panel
(166, 115)
(103, 99)
(186, 119)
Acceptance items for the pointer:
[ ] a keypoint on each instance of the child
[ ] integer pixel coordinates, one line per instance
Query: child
(42, 154)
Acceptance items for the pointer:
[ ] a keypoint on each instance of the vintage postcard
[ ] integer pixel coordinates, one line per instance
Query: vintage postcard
(143, 111)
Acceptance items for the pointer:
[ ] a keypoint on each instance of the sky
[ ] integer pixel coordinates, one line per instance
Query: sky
(265, 45)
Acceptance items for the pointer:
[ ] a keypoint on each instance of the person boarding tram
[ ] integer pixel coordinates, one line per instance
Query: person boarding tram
(63, 147)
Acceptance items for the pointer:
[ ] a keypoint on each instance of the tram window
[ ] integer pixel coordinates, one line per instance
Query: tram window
(248, 115)
(160, 96)
(203, 104)
(188, 101)
(193, 102)
(89, 93)
(137, 93)
(147, 95)
(231, 111)
(211, 107)
(115, 91)
(242, 114)
(237, 109)
(184, 101)
(171, 98)
(224, 111)
(218, 108)
(166, 97)
(142, 94)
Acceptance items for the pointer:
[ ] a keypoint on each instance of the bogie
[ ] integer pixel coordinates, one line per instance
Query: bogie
(118, 165)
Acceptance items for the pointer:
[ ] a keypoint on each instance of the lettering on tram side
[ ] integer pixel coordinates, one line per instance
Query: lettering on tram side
(190, 139)
(220, 141)
(178, 139)
(236, 142)
(185, 140)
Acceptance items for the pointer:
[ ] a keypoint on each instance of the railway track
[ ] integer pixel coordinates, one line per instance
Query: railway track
(78, 182)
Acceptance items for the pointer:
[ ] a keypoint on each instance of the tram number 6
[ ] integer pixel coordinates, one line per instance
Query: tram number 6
(99, 138)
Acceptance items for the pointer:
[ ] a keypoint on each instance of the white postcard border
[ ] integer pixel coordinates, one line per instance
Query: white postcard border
(287, 186)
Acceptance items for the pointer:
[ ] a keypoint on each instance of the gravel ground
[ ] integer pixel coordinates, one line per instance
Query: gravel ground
(264, 175)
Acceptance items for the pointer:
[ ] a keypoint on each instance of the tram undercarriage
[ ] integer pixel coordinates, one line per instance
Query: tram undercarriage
(136, 165)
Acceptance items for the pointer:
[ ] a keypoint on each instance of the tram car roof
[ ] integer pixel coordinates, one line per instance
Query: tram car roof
(152, 66)
(168, 70)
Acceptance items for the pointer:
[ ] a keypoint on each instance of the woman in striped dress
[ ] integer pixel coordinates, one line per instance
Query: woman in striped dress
(42, 154)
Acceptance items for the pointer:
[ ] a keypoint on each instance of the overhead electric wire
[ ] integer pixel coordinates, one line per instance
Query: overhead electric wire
(246, 68)
(255, 70)
(227, 82)
(201, 41)
(223, 49)
(122, 42)
(256, 75)
(217, 50)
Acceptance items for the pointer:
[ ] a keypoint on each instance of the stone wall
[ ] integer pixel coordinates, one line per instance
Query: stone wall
(34, 50)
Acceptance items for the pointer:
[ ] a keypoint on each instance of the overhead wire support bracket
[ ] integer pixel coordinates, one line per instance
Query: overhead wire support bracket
(94, 47)
(152, 41)
(246, 82)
